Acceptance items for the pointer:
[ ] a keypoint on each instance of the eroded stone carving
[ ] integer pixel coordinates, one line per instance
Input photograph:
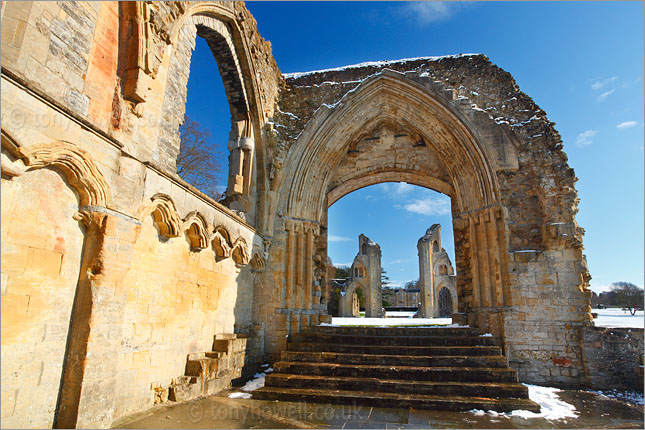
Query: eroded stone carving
(221, 243)
(240, 252)
(146, 32)
(257, 260)
(77, 166)
(12, 168)
(196, 229)
(164, 214)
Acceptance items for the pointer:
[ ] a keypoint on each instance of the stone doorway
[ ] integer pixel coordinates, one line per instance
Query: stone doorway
(445, 303)
(510, 237)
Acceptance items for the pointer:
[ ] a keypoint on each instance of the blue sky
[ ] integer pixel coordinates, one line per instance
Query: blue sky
(582, 62)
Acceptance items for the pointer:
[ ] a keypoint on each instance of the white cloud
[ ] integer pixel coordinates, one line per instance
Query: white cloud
(399, 261)
(601, 84)
(429, 206)
(603, 96)
(403, 188)
(631, 83)
(333, 238)
(584, 138)
(426, 12)
(397, 189)
(627, 124)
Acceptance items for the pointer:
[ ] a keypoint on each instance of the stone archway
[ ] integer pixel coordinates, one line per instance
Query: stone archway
(347, 306)
(402, 127)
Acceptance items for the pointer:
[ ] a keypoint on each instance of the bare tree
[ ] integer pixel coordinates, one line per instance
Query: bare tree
(628, 296)
(197, 162)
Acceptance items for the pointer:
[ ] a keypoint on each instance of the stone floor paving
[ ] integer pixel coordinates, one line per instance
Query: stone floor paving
(219, 411)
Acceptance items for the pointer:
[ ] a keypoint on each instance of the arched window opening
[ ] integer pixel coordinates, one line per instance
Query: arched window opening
(206, 78)
(358, 303)
(204, 133)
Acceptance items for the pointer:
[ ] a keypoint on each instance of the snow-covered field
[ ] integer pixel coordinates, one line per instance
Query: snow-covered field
(385, 322)
(616, 317)
(613, 317)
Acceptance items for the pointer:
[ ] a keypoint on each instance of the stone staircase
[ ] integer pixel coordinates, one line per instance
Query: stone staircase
(209, 372)
(425, 368)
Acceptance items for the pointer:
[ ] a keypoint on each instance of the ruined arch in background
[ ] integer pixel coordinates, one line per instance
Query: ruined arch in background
(346, 303)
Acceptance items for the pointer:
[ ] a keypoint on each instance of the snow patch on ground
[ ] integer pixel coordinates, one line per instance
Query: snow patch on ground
(552, 407)
(386, 322)
(616, 317)
(399, 314)
(252, 385)
(628, 396)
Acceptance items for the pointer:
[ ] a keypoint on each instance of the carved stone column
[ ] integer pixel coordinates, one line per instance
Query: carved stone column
(240, 146)
(89, 378)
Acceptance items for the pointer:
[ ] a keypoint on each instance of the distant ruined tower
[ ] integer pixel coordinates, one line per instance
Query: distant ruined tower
(365, 274)
(437, 279)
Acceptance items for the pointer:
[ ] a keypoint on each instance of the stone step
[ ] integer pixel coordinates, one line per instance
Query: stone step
(389, 400)
(360, 348)
(403, 341)
(443, 388)
(396, 331)
(393, 360)
(409, 373)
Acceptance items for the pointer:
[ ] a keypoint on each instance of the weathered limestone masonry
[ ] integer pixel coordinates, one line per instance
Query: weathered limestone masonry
(121, 283)
(461, 126)
(436, 276)
(116, 274)
(614, 357)
(365, 274)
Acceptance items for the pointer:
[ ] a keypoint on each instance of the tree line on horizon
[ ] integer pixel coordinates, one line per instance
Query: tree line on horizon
(620, 295)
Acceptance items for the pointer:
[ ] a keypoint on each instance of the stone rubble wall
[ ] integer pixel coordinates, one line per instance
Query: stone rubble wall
(614, 358)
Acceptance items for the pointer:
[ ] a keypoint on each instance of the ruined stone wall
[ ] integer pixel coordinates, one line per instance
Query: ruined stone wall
(435, 273)
(365, 273)
(614, 358)
(94, 92)
(522, 275)
(176, 302)
(97, 228)
(41, 253)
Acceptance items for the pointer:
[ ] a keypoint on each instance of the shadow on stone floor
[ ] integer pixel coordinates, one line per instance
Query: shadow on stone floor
(594, 411)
